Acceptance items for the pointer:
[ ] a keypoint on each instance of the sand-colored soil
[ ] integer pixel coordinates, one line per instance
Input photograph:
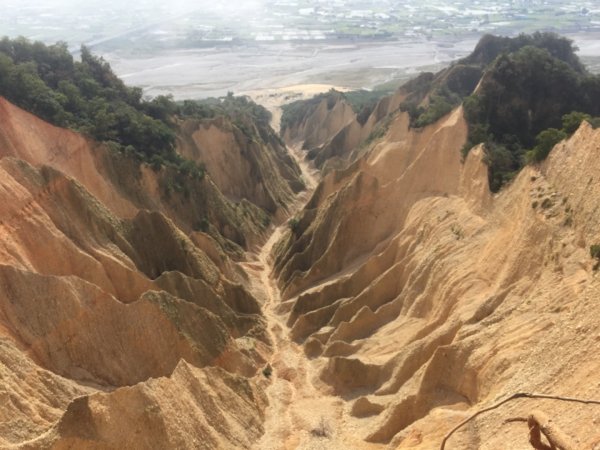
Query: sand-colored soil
(274, 98)
(117, 330)
(301, 413)
(419, 297)
(400, 297)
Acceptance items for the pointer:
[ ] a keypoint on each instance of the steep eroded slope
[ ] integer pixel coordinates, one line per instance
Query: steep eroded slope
(109, 310)
(422, 297)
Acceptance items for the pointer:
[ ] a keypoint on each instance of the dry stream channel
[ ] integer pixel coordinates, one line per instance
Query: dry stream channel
(300, 415)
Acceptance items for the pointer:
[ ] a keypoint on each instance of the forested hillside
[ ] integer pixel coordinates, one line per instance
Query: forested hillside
(525, 85)
(88, 97)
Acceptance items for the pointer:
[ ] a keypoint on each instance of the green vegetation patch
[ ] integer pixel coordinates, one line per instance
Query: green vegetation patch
(84, 95)
(545, 141)
(88, 97)
(440, 93)
(363, 102)
(526, 99)
(239, 110)
(595, 253)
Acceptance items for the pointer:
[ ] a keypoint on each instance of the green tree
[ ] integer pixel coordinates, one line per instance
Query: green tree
(572, 121)
(546, 141)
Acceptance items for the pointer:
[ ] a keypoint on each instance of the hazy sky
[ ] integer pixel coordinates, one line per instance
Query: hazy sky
(88, 20)
(82, 20)
(90, 6)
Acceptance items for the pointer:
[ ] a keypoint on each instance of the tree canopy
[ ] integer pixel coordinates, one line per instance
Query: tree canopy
(521, 102)
(84, 95)
(87, 96)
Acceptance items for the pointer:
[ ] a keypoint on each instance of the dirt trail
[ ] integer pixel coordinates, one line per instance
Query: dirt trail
(301, 415)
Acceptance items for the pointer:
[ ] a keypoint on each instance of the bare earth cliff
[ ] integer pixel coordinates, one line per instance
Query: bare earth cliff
(420, 298)
(122, 325)
(140, 311)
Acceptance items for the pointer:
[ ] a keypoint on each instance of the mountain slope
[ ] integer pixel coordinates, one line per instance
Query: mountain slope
(122, 183)
(330, 130)
(90, 259)
(143, 306)
(119, 292)
(251, 164)
(452, 298)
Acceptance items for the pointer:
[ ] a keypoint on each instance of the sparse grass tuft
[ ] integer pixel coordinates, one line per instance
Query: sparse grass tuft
(293, 223)
(457, 231)
(547, 203)
(267, 371)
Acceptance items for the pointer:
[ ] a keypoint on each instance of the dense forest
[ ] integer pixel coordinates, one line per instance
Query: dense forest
(522, 98)
(529, 87)
(84, 95)
(88, 97)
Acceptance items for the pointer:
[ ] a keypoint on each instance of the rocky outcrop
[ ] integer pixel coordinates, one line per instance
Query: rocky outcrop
(248, 163)
(391, 174)
(125, 186)
(331, 131)
(192, 408)
(110, 309)
(425, 298)
(323, 117)
(33, 399)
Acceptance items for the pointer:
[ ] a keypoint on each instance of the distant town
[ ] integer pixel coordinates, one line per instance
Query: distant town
(148, 24)
(211, 47)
